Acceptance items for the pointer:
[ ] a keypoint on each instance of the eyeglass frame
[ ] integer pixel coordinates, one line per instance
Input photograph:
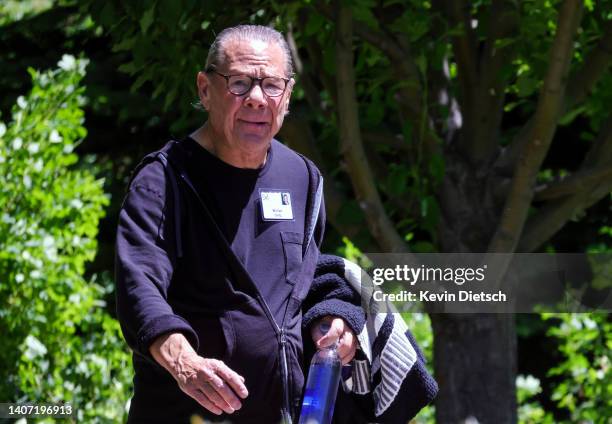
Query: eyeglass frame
(253, 79)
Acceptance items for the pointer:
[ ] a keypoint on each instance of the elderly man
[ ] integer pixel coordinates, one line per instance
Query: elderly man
(214, 261)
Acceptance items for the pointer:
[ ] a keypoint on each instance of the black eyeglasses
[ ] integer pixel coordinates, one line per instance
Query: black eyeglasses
(239, 85)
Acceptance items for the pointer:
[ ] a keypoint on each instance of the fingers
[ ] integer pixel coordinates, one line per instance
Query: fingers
(347, 347)
(207, 396)
(235, 381)
(218, 397)
(223, 380)
(338, 331)
(204, 401)
(213, 384)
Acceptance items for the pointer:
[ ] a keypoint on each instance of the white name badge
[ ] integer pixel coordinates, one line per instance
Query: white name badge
(276, 205)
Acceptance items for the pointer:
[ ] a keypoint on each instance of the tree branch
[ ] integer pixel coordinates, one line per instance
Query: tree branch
(389, 47)
(595, 65)
(580, 84)
(315, 59)
(443, 104)
(551, 218)
(383, 41)
(481, 139)
(414, 110)
(406, 206)
(578, 181)
(596, 182)
(358, 167)
(310, 91)
(502, 21)
(410, 96)
(601, 151)
(394, 142)
(545, 119)
(457, 16)
(464, 43)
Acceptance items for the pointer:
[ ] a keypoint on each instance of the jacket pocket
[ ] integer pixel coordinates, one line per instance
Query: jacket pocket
(255, 357)
(215, 333)
(292, 248)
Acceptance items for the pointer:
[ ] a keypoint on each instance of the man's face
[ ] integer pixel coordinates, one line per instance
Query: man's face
(248, 122)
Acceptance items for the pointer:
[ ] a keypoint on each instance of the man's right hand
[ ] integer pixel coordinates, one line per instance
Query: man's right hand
(209, 381)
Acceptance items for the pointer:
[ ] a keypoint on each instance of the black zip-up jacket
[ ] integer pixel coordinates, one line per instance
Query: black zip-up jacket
(172, 276)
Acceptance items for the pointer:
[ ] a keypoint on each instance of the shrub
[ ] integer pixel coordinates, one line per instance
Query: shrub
(585, 343)
(58, 342)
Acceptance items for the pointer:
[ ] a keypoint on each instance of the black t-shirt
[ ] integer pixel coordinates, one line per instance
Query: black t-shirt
(235, 198)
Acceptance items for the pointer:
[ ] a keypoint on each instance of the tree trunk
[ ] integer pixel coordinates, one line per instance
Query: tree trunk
(474, 354)
(475, 365)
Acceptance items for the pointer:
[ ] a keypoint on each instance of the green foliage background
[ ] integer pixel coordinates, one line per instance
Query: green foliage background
(59, 344)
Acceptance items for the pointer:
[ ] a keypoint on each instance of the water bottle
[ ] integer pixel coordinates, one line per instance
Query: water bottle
(322, 385)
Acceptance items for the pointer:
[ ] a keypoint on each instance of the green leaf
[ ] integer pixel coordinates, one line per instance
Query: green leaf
(375, 113)
(437, 167)
(526, 85)
(125, 44)
(422, 247)
(571, 115)
(364, 14)
(142, 78)
(147, 19)
(397, 180)
(314, 24)
(421, 62)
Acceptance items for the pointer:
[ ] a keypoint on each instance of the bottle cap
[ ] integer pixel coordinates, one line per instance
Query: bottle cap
(324, 327)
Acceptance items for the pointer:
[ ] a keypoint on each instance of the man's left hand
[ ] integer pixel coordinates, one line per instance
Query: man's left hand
(338, 330)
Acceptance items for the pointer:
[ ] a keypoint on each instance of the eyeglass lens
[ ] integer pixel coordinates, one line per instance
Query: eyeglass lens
(240, 84)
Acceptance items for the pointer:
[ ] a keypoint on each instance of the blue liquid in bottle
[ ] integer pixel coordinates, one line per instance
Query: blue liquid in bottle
(321, 387)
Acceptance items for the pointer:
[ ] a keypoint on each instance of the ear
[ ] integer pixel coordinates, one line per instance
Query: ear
(288, 92)
(203, 89)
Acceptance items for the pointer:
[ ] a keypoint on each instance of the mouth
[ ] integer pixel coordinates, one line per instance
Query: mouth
(253, 122)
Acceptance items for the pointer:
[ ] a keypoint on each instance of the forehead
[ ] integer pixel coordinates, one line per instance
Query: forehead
(254, 56)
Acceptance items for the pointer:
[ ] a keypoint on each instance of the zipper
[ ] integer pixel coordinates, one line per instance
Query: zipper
(286, 410)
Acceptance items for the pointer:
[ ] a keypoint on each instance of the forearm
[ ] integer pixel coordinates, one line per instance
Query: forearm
(144, 269)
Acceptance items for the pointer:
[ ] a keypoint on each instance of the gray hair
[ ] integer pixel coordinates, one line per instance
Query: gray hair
(216, 53)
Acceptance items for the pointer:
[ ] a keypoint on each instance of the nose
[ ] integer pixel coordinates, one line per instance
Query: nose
(255, 98)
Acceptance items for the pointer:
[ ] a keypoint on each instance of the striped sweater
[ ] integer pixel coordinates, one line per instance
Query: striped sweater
(387, 381)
